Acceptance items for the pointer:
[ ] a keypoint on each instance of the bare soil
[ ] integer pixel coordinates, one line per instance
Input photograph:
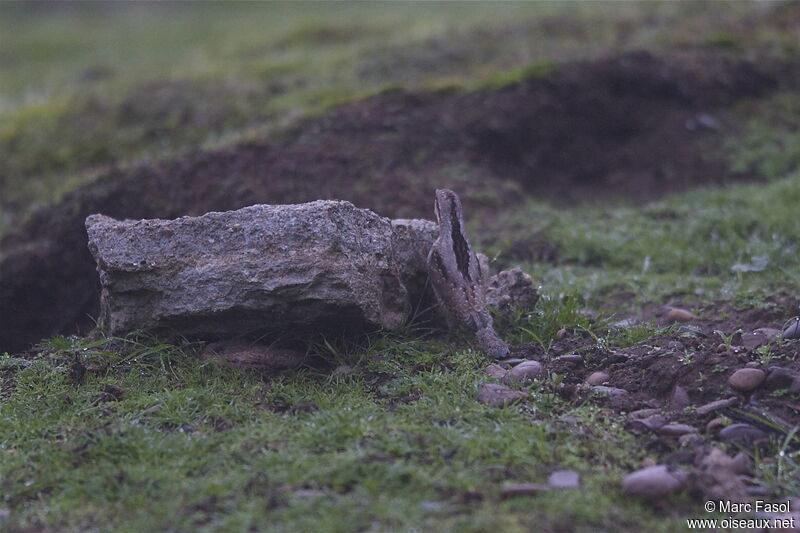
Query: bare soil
(635, 125)
(691, 357)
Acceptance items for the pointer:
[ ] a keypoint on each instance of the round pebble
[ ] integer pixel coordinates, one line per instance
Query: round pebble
(560, 334)
(677, 314)
(496, 371)
(526, 372)
(743, 434)
(714, 406)
(654, 481)
(746, 379)
(597, 378)
(676, 430)
(721, 347)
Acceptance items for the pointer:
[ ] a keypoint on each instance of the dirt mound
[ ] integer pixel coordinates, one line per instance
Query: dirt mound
(636, 124)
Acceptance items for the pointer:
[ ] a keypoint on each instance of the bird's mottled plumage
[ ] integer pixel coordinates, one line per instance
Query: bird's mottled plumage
(457, 278)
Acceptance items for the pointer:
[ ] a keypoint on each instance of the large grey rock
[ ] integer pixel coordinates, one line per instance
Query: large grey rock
(267, 268)
(260, 267)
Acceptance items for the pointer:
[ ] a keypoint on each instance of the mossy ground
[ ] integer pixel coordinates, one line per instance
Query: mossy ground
(150, 438)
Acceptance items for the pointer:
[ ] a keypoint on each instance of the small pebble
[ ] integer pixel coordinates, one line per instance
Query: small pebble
(753, 364)
(597, 378)
(564, 479)
(496, 371)
(654, 481)
(746, 379)
(496, 395)
(675, 345)
(526, 372)
(721, 347)
(677, 314)
(676, 430)
(743, 434)
(714, 406)
(560, 334)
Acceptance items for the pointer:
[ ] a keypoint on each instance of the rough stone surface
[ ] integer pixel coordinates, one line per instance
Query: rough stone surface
(411, 241)
(654, 481)
(255, 268)
(319, 264)
(746, 379)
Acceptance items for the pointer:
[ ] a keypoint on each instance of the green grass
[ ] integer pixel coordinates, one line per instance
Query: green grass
(740, 242)
(191, 445)
(397, 442)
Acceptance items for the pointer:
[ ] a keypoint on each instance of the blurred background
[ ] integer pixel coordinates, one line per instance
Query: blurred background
(555, 122)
